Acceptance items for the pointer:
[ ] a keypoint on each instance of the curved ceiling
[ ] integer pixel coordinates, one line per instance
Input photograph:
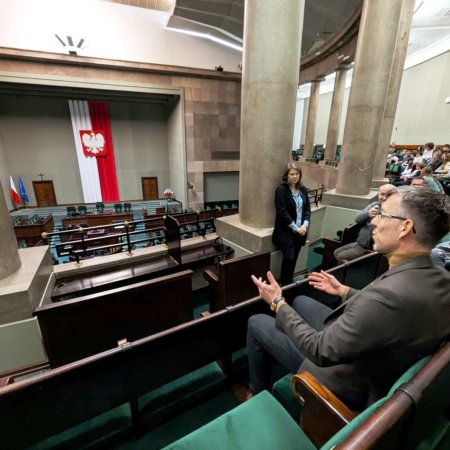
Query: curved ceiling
(223, 19)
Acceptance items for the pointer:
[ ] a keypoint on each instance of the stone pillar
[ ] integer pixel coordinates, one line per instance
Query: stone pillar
(336, 110)
(270, 73)
(9, 254)
(395, 79)
(373, 63)
(312, 116)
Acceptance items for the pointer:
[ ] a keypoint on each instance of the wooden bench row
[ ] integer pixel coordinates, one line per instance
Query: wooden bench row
(76, 328)
(174, 260)
(65, 396)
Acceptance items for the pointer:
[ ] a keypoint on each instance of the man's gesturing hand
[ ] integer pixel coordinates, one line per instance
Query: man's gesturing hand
(267, 291)
(327, 283)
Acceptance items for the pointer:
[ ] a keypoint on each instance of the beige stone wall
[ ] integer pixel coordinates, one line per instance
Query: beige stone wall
(212, 103)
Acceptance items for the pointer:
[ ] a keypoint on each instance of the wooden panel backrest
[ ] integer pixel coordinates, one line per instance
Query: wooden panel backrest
(350, 233)
(38, 407)
(75, 329)
(234, 284)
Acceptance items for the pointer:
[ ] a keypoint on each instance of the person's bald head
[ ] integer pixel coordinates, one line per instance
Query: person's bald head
(385, 191)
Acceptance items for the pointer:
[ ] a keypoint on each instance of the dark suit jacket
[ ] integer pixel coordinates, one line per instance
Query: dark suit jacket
(378, 333)
(286, 213)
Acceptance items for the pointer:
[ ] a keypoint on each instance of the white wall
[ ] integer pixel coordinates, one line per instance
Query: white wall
(422, 114)
(5, 172)
(36, 136)
(111, 30)
(139, 132)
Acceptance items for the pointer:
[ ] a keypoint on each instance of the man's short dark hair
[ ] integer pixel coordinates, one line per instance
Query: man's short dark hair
(430, 212)
(429, 145)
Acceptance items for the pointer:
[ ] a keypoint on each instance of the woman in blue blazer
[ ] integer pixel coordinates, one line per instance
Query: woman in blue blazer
(293, 213)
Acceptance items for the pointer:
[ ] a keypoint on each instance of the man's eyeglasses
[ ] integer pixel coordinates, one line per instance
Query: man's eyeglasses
(382, 213)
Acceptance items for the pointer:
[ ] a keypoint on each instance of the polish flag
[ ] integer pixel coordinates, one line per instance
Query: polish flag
(14, 195)
(92, 134)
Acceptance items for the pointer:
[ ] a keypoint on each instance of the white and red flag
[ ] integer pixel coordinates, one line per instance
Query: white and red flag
(95, 152)
(14, 195)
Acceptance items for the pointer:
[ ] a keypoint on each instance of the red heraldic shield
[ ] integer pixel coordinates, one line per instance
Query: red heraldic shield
(93, 142)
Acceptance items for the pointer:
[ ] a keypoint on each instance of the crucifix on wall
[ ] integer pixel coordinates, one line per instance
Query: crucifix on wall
(41, 175)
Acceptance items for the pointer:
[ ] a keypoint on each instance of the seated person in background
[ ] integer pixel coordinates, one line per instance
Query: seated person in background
(408, 174)
(361, 348)
(435, 161)
(417, 157)
(444, 168)
(427, 151)
(440, 255)
(433, 184)
(418, 182)
(364, 242)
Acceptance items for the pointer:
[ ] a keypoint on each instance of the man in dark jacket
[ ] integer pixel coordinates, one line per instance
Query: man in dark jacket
(360, 349)
(364, 243)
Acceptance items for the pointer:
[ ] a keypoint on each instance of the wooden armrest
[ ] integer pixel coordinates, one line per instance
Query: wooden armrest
(210, 276)
(323, 414)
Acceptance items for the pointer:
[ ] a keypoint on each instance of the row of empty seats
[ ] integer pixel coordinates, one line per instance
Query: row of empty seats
(82, 210)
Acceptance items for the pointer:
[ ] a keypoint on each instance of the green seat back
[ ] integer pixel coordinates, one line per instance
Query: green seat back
(117, 207)
(360, 418)
(261, 423)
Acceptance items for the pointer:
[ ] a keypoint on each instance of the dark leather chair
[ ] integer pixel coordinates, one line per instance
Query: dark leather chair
(71, 211)
(100, 207)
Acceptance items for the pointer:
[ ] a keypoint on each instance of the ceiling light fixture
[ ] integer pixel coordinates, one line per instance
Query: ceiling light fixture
(207, 36)
(69, 44)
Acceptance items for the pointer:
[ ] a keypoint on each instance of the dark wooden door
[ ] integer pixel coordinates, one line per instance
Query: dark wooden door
(150, 188)
(45, 193)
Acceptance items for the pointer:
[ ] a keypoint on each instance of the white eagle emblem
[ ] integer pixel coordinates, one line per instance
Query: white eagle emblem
(93, 142)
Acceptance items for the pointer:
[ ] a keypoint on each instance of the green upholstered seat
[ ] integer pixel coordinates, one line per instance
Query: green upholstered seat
(260, 424)
(117, 207)
(282, 391)
(90, 432)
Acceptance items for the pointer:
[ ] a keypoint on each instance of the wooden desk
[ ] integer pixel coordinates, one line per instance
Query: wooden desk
(31, 233)
(199, 257)
(96, 220)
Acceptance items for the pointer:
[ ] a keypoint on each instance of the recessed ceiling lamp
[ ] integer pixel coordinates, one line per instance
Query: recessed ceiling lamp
(207, 36)
(70, 45)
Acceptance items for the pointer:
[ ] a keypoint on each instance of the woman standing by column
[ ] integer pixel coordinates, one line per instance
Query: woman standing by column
(293, 213)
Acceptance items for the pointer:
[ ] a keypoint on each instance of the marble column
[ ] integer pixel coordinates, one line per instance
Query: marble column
(312, 116)
(373, 64)
(9, 254)
(394, 89)
(270, 73)
(335, 111)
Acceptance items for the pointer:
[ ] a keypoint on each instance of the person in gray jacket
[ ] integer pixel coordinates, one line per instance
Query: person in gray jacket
(359, 349)
(364, 242)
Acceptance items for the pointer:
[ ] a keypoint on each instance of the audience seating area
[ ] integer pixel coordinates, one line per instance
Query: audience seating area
(66, 396)
(412, 414)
